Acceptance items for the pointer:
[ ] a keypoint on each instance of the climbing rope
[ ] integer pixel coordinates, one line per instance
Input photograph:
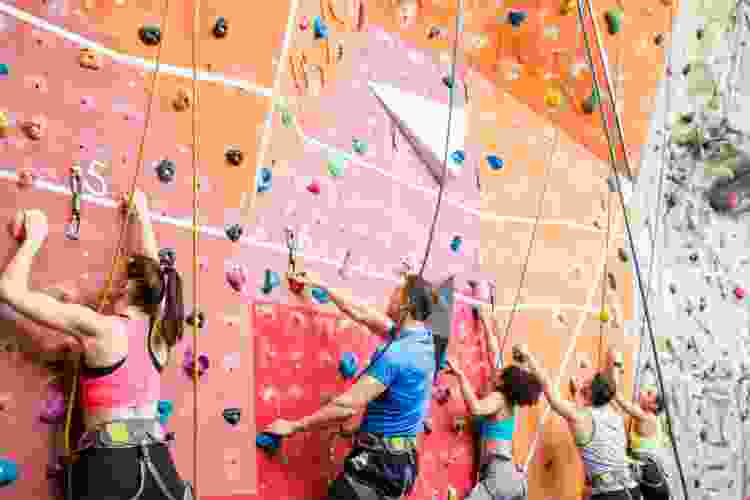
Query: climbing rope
(451, 93)
(631, 241)
(196, 237)
(104, 298)
(603, 312)
(554, 149)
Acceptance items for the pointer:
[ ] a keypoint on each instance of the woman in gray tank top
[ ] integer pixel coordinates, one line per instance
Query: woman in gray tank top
(599, 433)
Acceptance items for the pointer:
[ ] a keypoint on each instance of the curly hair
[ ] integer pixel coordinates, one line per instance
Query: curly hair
(520, 387)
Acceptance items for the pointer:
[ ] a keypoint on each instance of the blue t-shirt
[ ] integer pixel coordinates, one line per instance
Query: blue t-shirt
(407, 369)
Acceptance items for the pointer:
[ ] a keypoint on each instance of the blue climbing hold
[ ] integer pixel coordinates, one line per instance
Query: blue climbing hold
(456, 243)
(268, 441)
(8, 472)
(4, 69)
(165, 409)
(494, 162)
(458, 157)
(517, 17)
(264, 180)
(348, 365)
(320, 296)
(319, 28)
(270, 281)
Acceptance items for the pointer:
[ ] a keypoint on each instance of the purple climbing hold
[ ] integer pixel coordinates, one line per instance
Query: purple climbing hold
(188, 364)
(53, 411)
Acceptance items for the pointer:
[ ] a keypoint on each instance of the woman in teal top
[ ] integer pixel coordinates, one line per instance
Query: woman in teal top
(508, 388)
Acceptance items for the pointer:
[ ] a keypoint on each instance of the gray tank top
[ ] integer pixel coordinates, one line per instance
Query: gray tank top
(606, 450)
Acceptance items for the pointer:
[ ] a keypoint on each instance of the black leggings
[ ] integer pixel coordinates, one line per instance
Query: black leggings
(635, 494)
(115, 474)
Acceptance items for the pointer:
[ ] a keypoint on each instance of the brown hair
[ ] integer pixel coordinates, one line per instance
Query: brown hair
(153, 282)
(418, 297)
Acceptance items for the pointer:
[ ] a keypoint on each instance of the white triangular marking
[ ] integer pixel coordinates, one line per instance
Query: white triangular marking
(424, 123)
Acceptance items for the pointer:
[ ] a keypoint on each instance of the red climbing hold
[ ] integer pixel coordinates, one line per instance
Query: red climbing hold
(314, 187)
(17, 228)
(739, 293)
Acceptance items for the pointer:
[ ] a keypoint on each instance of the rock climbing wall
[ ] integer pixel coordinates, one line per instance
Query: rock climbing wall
(692, 237)
(343, 108)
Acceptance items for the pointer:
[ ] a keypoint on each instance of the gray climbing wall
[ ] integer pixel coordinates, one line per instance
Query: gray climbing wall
(693, 247)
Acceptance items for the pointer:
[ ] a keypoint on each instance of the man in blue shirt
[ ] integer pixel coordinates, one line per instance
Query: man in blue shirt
(395, 388)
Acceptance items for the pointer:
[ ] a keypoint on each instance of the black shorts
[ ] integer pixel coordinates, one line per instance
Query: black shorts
(375, 475)
(634, 494)
(115, 474)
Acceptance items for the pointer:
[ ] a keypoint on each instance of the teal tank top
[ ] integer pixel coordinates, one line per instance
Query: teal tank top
(498, 430)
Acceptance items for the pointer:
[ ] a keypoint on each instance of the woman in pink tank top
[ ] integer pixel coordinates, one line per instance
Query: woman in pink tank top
(123, 453)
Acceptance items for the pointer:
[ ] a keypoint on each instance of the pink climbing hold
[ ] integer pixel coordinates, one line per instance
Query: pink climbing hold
(314, 187)
(739, 293)
(237, 278)
(304, 23)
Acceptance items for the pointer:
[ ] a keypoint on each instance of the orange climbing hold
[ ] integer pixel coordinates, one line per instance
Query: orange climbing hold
(89, 59)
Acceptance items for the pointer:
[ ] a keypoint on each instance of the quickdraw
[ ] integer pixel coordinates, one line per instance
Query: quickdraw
(292, 245)
(73, 229)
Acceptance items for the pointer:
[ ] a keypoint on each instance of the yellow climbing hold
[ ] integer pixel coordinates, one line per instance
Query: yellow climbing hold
(4, 124)
(567, 7)
(553, 98)
(604, 315)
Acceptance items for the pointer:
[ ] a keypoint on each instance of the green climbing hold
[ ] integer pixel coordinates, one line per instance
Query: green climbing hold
(287, 119)
(337, 166)
(614, 20)
(359, 147)
(591, 103)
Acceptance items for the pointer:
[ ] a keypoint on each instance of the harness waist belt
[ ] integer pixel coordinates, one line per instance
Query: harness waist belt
(397, 444)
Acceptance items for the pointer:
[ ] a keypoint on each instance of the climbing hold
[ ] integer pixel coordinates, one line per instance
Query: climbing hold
(358, 146)
(4, 124)
(232, 415)
(270, 281)
(89, 59)
(686, 70)
(459, 424)
(182, 100)
(221, 28)
(319, 28)
(320, 295)
(448, 82)
(268, 442)
(35, 128)
(732, 200)
(188, 364)
(614, 20)
(659, 39)
(8, 472)
(441, 394)
(739, 293)
(54, 407)
(164, 409)
(336, 166)
(304, 23)
(567, 6)
(167, 257)
(612, 281)
(452, 493)
(190, 320)
(458, 157)
(591, 103)
(348, 365)
(603, 315)
(150, 35)
(17, 228)
(166, 170)
(236, 277)
(436, 32)
(4, 69)
(699, 33)
(26, 178)
(552, 98)
(264, 180)
(456, 243)
(339, 51)
(314, 187)
(234, 156)
(287, 118)
(494, 162)
(516, 17)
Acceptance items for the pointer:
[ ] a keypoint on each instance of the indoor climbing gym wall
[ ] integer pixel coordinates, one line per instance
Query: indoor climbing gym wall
(323, 133)
(692, 236)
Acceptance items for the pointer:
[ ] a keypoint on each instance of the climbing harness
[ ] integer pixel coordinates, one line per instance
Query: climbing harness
(641, 289)
(443, 177)
(70, 457)
(73, 229)
(135, 433)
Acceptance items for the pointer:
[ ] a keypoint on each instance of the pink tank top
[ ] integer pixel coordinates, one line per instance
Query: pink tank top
(135, 383)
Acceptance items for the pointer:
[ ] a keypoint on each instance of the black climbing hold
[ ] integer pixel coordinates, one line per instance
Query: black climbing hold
(699, 33)
(693, 258)
(166, 171)
(659, 39)
(672, 288)
(221, 28)
(687, 118)
(190, 320)
(686, 70)
(235, 157)
(232, 415)
(150, 35)
(234, 232)
(167, 257)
